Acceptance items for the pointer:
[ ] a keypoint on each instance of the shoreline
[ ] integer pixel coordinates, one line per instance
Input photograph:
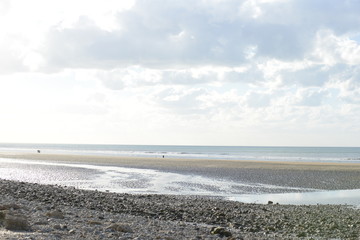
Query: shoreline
(53, 212)
(184, 162)
(307, 175)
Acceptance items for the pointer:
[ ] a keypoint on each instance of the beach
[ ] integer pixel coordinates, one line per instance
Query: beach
(65, 212)
(314, 175)
(160, 162)
(34, 211)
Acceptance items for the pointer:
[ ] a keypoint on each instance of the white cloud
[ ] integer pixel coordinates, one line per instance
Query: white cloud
(136, 76)
(204, 70)
(182, 101)
(11, 57)
(310, 97)
(257, 99)
(4, 6)
(331, 49)
(164, 34)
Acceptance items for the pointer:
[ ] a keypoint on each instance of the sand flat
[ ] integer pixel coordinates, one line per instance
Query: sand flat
(188, 163)
(308, 175)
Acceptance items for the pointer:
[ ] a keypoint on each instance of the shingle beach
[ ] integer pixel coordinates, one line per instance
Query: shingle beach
(34, 211)
(37, 211)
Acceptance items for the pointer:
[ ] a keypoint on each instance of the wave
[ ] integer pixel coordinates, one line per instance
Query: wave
(297, 154)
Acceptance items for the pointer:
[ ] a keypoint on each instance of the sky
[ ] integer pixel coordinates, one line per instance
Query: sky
(180, 72)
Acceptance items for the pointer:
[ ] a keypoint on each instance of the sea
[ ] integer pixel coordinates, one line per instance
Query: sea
(154, 181)
(303, 154)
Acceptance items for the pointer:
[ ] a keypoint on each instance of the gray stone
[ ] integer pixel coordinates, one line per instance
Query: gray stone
(16, 223)
(2, 215)
(55, 214)
(222, 232)
(120, 228)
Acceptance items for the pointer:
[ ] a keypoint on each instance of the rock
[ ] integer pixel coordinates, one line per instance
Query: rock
(120, 228)
(270, 202)
(94, 223)
(41, 223)
(9, 206)
(55, 214)
(2, 215)
(127, 217)
(57, 226)
(222, 232)
(16, 223)
(302, 234)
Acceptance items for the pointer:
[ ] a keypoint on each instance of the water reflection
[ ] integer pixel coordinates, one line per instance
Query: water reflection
(128, 180)
(350, 197)
(133, 180)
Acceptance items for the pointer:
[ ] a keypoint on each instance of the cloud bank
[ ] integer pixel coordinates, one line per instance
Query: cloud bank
(252, 72)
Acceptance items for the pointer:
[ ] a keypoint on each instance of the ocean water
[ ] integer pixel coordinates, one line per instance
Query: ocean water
(310, 154)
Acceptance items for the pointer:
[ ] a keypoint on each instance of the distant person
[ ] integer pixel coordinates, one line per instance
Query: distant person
(163, 156)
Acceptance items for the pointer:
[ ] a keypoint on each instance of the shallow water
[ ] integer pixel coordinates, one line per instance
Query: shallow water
(128, 180)
(349, 197)
(145, 181)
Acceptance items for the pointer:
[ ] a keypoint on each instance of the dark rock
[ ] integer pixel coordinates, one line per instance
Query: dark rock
(222, 232)
(16, 223)
(2, 216)
(94, 223)
(55, 214)
(120, 228)
(41, 223)
(9, 206)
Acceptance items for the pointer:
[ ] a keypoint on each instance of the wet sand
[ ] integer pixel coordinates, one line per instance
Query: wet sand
(317, 175)
(102, 215)
(181, 162)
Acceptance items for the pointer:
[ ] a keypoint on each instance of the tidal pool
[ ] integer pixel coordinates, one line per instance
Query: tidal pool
(349, 197)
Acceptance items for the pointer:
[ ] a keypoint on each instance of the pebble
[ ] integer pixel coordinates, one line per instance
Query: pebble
(222, 232)
(55, 214)
(101, 215)
(16, 223)
(120, 228)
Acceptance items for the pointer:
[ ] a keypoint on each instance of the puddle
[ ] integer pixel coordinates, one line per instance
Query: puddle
(349, 197)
